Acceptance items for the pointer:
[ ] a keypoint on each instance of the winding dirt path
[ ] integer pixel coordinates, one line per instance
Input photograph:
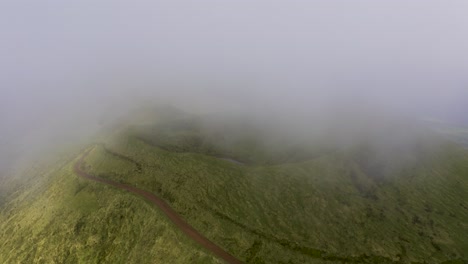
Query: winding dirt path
(165, 208)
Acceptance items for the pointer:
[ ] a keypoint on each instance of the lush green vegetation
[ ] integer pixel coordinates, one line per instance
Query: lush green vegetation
(340, 206)
(66, 219)
(287, 203)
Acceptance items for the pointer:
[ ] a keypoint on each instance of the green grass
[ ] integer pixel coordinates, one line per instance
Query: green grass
(73, 220)
(288, 203)
(323, 209)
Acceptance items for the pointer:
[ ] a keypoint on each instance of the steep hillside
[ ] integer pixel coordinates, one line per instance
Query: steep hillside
(263, 201)
(60, 218)
(346, 205)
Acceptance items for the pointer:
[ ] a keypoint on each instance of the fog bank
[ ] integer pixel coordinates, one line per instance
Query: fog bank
(69, 67)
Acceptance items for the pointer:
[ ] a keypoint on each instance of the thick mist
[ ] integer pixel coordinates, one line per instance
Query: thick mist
(70, 68)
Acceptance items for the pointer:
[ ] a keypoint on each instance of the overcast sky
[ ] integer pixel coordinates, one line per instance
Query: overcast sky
(71, 60)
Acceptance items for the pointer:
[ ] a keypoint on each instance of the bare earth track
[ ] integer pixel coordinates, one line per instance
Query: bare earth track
(165, 208)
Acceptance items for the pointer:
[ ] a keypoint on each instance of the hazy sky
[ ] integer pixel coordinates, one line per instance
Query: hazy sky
(72, 60)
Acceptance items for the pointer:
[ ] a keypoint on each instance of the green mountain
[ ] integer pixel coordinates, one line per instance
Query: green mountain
(261, 199)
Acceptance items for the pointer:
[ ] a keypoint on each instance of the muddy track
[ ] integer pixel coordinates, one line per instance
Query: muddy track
(165, 208)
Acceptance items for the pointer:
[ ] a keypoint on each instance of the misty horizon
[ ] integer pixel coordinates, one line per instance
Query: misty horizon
(68, 66)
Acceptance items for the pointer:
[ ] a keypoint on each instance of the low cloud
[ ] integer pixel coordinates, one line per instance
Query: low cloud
(67, 66)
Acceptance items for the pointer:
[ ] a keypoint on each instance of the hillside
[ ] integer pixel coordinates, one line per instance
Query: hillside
(263, 201)
(60, 218)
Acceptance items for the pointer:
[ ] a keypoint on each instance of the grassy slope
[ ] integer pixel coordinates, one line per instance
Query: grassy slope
(299, 207)
(326, 209)
(66, 219)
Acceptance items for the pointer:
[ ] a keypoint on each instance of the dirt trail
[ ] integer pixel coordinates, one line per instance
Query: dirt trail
(165, 208)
